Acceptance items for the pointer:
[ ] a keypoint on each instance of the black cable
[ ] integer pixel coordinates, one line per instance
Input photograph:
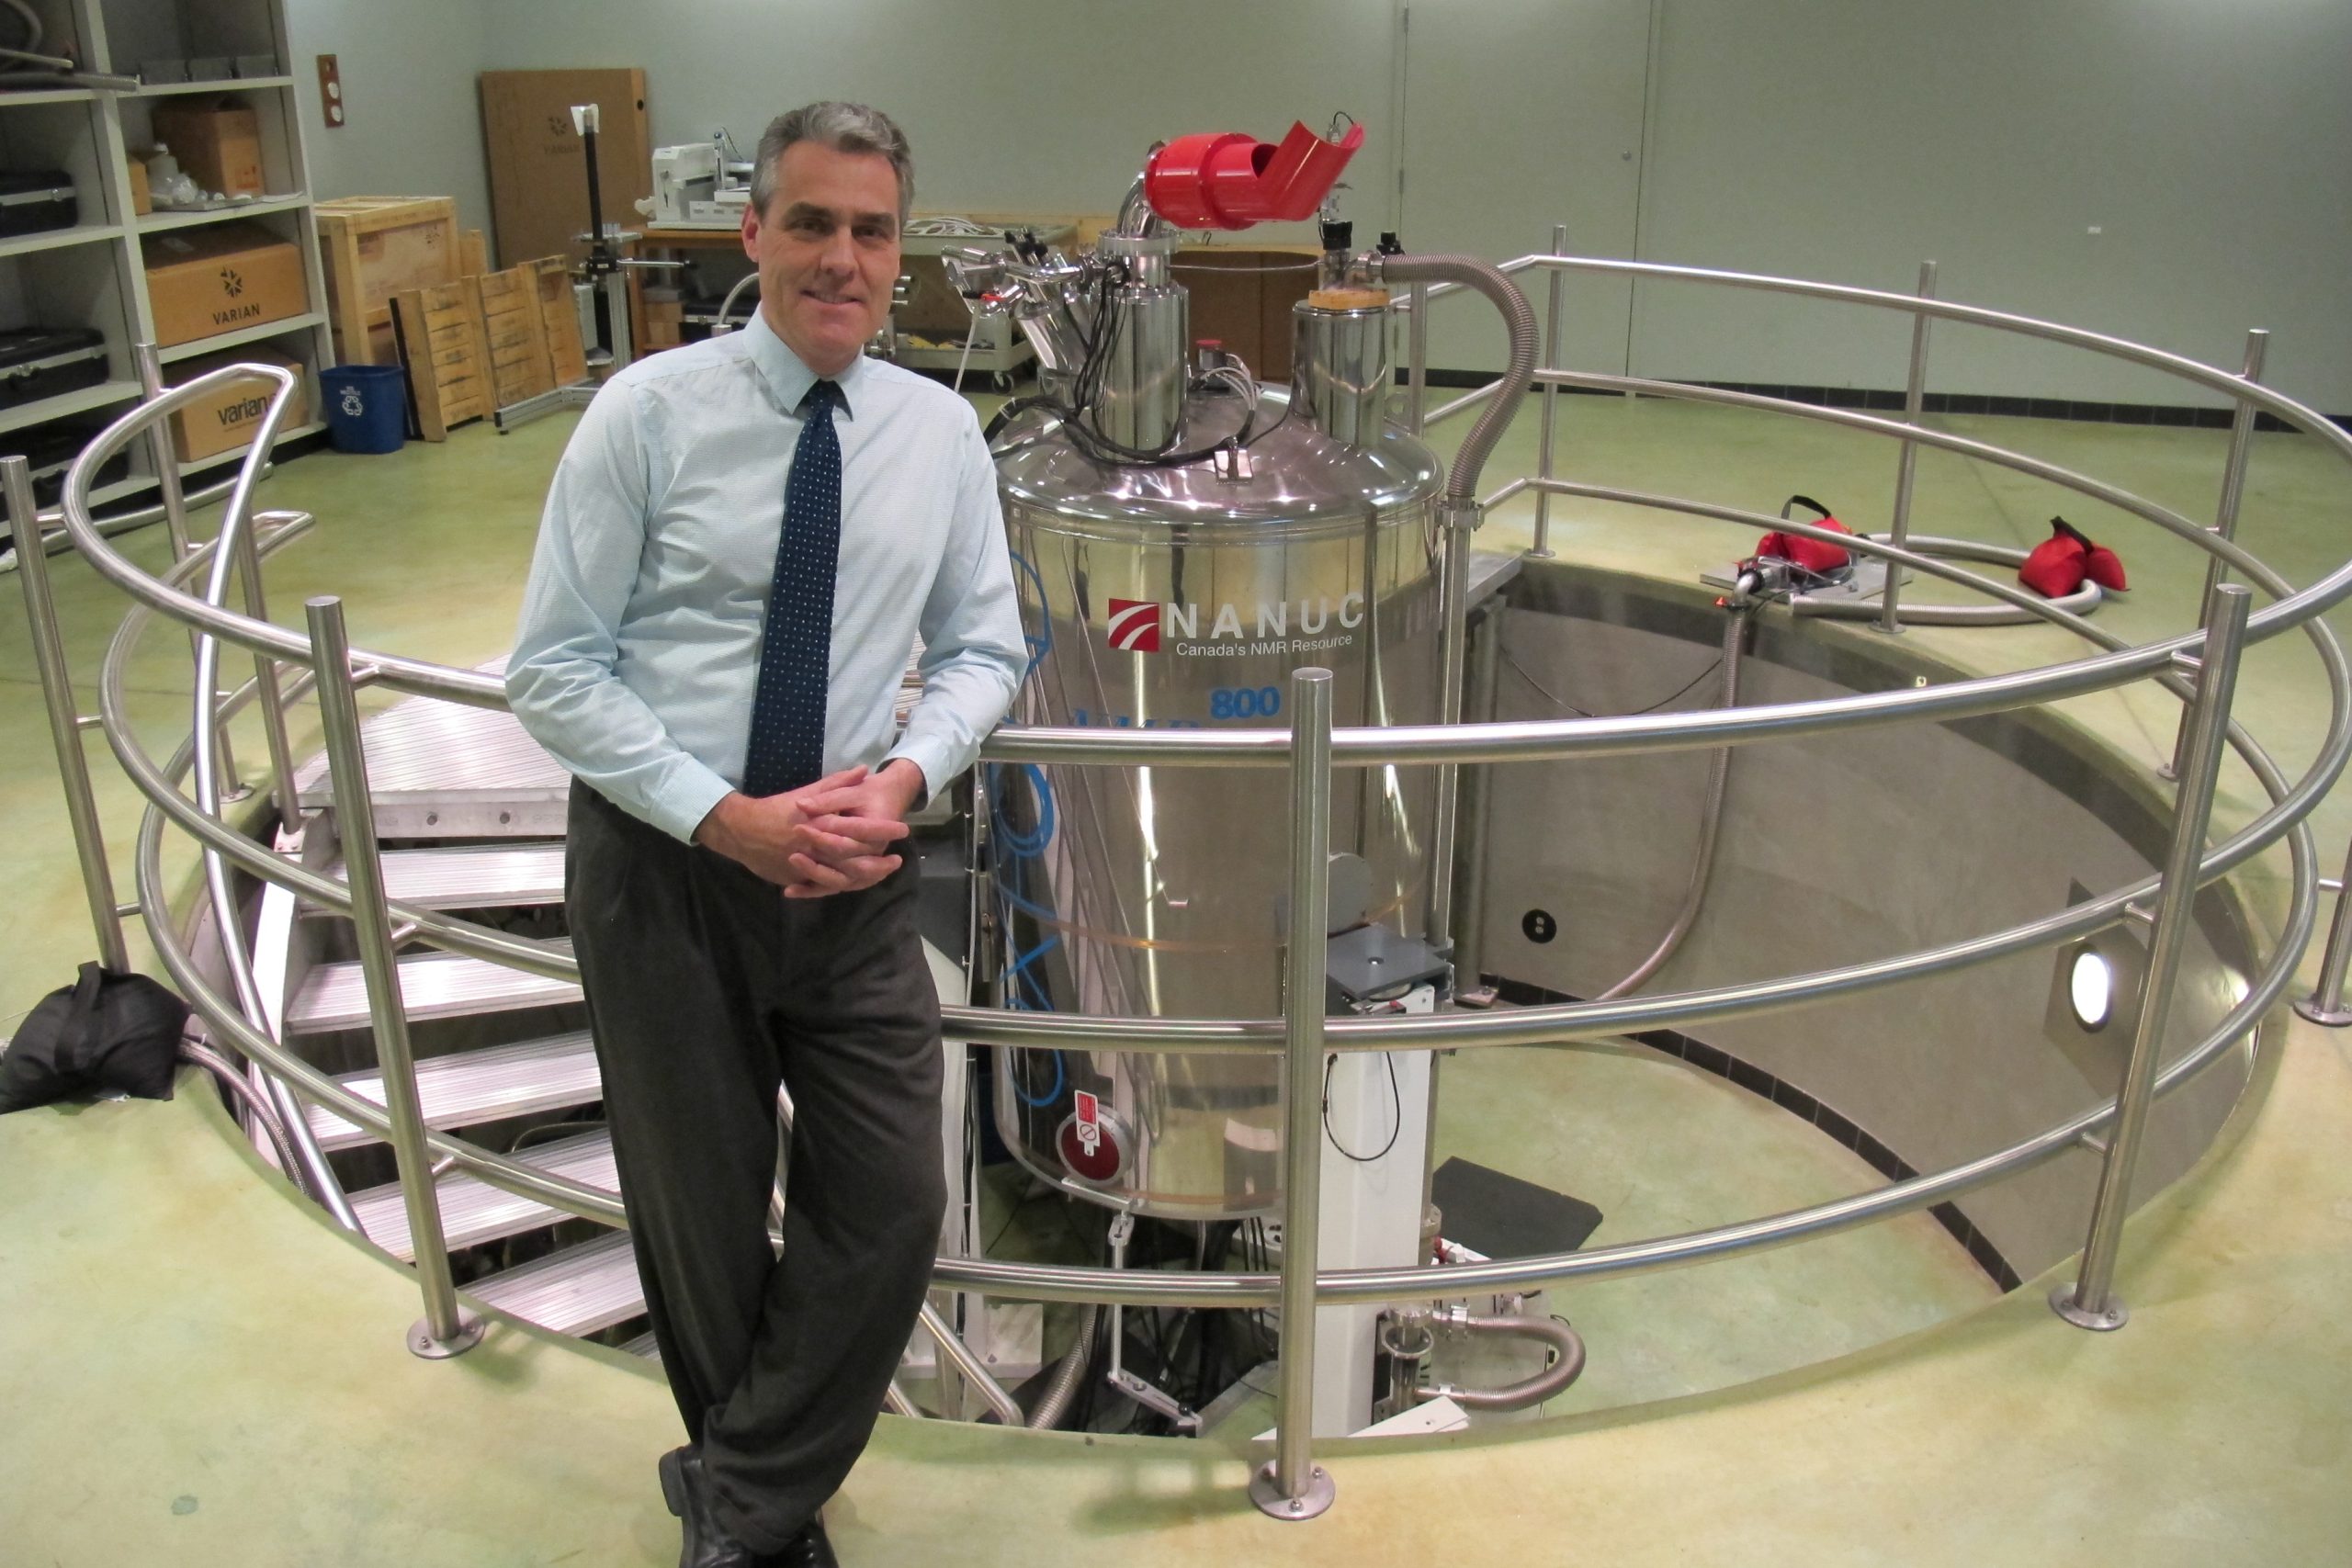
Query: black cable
(1397, 1117)
(1006, 1229)
(1559, 701)
(1079, 416)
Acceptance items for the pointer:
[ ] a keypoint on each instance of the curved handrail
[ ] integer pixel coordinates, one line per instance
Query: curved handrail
(1586, 738)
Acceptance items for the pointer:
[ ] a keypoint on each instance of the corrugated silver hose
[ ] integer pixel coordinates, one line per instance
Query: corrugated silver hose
(1568, 1348)
(1518, 320)
(1070, 1373)
(1702, 864)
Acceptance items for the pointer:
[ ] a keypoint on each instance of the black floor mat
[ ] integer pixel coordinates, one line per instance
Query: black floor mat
(1502, 1216)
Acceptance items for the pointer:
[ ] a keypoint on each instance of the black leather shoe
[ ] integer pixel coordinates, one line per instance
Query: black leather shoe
(810, 1549)
(705, 1543)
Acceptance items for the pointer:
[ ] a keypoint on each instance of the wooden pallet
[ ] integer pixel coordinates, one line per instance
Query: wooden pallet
(374, 247)
(568, 358)
(440, 336)
(515, 332)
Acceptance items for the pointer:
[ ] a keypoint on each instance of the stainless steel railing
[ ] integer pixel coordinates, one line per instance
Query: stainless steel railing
(1289, 1487)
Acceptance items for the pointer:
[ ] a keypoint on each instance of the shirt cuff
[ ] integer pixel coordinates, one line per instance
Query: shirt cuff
(932, 758)
(681, 804)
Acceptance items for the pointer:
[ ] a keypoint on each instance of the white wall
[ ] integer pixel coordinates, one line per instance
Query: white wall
(1837, 138)
(1014, 105)
(1849, 140)
(414, 114)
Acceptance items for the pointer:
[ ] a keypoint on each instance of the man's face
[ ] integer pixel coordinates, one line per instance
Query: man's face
(827, 251)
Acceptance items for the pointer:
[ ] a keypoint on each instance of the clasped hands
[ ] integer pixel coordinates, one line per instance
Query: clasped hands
(834, 836)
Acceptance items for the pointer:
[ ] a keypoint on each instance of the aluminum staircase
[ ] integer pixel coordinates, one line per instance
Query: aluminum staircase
(474, 1087)
(433, 985)
(477, 876)
(441, 772)
(473, 1211)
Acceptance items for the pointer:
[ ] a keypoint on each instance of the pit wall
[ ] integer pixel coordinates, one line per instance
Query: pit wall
(1834, 851)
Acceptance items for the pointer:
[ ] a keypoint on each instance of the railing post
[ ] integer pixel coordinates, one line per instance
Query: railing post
(2225, 511)
(445, 1329)
(1416, 358)
(1914, 395)
(1554, 359)
(1458, 520)
(1291, 1485)
(2326, 1004)
(65, 719)
(149, 364)
(2090, 1302)
(1476, 812)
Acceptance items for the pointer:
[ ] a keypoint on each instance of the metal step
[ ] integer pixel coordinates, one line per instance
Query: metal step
(473, 1211)
(577, 1290)
(468, 1087)
(643, 1345)
(484, 876)
(439, 770)
(433, 985)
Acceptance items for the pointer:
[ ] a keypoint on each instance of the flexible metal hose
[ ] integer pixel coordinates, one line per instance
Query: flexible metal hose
(1703, 864)
(1069, 1374)
(1567, 1343)
(1462, 482)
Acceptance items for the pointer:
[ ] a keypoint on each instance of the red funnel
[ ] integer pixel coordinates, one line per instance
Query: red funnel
(1226, 180)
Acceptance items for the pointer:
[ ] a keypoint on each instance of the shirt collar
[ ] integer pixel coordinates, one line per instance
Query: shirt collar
(787, 378)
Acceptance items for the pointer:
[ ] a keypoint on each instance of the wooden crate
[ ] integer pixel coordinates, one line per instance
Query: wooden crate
(374, 247)
(566, 354)
(515, 332)
(448, 355)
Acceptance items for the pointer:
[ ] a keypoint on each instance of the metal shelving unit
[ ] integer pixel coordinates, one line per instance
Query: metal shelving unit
(160, 222)
(93, 274)
(67, 404)
(233, 84)
(308, 322)
(58, 239)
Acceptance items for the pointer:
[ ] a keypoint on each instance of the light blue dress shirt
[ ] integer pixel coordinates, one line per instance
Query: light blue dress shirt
(638, 651)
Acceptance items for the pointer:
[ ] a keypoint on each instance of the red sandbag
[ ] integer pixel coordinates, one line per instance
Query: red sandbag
(1813, 555)
(2059, 565)
(2055, 567)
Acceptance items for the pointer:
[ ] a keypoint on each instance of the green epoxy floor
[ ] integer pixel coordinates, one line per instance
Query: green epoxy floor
(219, 1377)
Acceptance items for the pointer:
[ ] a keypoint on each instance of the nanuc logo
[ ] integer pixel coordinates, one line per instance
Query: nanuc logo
(1135, 626)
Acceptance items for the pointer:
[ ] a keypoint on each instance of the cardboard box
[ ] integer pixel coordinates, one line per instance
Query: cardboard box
(217, 140)
(142, 201)
(220, 277)
(225, 423)
(538, 179)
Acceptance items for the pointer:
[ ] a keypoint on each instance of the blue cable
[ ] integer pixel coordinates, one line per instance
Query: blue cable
(1028, 845)
(1043, 643)
(1019, 979)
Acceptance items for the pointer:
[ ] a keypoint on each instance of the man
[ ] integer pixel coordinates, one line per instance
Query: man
(740, 544)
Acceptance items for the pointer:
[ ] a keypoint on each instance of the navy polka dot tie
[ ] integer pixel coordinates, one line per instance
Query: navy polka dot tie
(788, 742)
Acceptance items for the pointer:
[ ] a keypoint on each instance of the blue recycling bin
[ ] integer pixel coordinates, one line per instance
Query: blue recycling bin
(366, 407)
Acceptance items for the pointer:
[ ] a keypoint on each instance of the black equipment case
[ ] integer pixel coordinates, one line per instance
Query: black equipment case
(42, 362)
(34, 203)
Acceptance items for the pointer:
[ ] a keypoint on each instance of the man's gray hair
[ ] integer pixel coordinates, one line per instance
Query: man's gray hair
(844, 127)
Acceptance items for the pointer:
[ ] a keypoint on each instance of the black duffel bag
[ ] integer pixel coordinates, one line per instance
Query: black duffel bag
(107, 1031)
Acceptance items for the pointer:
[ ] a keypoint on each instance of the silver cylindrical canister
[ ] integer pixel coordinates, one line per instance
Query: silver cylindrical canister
(1158, 597)
(1340, 370)
(1141, 401)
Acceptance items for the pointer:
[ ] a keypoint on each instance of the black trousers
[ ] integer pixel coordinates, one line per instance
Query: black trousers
(705, 988)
